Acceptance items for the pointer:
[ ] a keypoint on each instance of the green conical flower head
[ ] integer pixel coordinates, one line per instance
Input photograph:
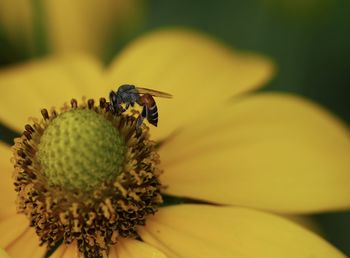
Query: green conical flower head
(80, 149)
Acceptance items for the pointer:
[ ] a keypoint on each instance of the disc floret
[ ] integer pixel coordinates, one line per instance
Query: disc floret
(80, 149)
(86, 175)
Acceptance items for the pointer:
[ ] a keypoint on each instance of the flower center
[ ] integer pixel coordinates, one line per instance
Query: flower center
(86, 175)
(80, 149)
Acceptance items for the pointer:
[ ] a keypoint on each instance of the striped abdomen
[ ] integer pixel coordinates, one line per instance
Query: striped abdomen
(152, 110)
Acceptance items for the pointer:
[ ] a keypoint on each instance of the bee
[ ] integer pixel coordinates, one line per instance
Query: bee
(130, 94)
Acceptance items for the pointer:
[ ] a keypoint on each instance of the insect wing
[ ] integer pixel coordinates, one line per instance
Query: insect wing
(154, 93)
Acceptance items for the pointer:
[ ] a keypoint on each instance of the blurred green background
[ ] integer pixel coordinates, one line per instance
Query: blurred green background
(309, 40)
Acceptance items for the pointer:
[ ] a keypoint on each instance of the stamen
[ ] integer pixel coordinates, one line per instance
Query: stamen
(74, 103)
(29, 128)
(102, 102)
(45, 114)
(27, 135)
(53, 113)
(91, 103)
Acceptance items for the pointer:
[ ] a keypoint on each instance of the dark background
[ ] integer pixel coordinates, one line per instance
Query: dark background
(309, 40)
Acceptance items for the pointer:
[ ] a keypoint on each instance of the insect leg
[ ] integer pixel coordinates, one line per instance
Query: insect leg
(144, 112)
(141, 117)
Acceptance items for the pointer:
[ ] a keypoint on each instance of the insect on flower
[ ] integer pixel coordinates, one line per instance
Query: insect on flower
(129, 95)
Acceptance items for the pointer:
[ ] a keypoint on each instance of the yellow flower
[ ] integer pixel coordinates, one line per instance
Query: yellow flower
(66, 25)
(3, 254)
(226, 151)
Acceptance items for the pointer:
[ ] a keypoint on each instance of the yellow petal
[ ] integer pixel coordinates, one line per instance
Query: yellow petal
(199, 72)
(130, 248)
(68, 26)
(16, 21)
(45, 83)
(71, 251)
(59, 252)
(12, 227)
(7, 189)
(3, 254)
(67, 251)
(86, 25)
(17, 238)
(212, 231)
(269, 151)
(27, 245)
(307, 222)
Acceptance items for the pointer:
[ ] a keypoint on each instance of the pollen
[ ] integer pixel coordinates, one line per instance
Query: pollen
(85, 174)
